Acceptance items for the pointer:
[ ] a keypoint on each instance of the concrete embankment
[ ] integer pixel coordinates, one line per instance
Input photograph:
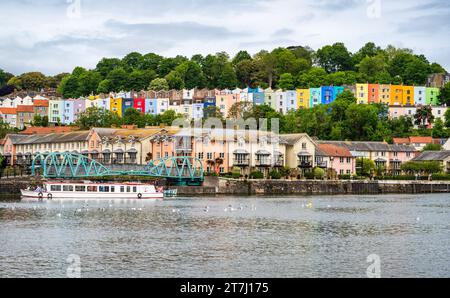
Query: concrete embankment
(309, 187)
(220, 186)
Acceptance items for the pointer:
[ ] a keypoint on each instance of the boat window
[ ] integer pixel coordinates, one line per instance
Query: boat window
(113, 189)
(67, 187)
(92, 188)
(122, 189)
(55, 188)
(134, 189)
(128, 189)
(80, 188)
(103, 188)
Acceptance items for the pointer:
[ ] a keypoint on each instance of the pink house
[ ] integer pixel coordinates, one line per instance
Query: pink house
(337, 158)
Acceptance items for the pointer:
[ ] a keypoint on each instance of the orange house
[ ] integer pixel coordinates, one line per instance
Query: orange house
(408, 96)
(396, 95)
(374, 93)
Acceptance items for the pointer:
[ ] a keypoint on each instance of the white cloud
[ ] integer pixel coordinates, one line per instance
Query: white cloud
(39, 35)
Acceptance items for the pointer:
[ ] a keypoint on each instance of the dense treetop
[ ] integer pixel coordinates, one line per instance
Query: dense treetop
(286, 68)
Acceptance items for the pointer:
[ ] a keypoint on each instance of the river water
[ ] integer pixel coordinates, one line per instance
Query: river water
(326, 236)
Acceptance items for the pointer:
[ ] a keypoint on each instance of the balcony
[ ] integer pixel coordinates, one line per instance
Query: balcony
(241, 162)
(264, 162)
(278, 162)
(395, 165)
(322, 164)
(305, 164)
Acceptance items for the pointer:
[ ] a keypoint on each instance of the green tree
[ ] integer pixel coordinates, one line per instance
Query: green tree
(334, 58)
(132, 61)
(104, 86)
(33, 81)
(140, 79)
(368, 50)
(159, 85)
(4, 77)
(151, 61)
(444, 95)
(370, 68)
(424, 116)
(175, 80)
(40, 121)
(421, 167)
(246, 73)
(437, 68)
(241, 56)
(106, 65)
(286, 81)
(134, 117)
(365, 167)
(447, 118)
(315, 77)
(117, 79)
(88, 83)
(97, 117)
(439, 130)
(432, 147)
(168, 117)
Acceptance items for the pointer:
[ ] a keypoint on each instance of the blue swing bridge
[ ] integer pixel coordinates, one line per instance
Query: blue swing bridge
(177, 170)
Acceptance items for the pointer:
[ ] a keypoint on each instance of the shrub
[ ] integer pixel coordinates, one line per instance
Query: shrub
(256, 175)
(275, 175)
(443, 177)
(345, 177)
(318, 173)
(309, 175)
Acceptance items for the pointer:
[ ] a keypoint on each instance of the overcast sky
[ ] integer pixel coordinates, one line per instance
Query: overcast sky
(54, 36)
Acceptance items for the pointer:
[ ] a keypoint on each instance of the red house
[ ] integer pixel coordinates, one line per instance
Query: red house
(139, 104)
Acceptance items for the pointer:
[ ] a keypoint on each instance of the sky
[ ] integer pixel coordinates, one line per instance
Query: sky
(54, 36)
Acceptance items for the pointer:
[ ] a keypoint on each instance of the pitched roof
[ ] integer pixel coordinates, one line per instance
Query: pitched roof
(78, 136)
(291, 139)
(401, 140)
(40, 103)
(433, 156)
(10, 111)
(15, 138)
(47, 130)
(417, 140)
(334, 150)
(25, 109)
(371, 146)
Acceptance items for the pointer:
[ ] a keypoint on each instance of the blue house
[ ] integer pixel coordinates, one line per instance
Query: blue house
(150, 106)
(327, 95)
(338, 90)
(127, 103)
(291, 100)
(315, 97)
(259, 98)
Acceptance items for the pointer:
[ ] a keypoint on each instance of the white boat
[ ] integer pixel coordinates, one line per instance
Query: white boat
(94, 191)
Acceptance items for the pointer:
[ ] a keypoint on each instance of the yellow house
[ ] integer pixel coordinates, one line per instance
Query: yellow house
(408, 96)
(116, 106)
(362, 93)
(384, 94)
(397, 93)
(303, 98)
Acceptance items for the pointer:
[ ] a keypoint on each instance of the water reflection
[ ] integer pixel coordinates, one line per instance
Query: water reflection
(222, 237)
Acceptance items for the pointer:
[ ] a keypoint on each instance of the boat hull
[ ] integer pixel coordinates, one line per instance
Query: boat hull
(31, 195)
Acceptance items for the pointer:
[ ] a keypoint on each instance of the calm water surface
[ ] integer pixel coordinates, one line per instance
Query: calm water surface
(328, 236)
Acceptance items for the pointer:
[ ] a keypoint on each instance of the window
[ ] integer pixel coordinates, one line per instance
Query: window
(200, 155)
(92, 188)
(122, 189)
(349, 160)
(222, 155)
(103, 189)
(113, 189)
(134, 188)
(303, 146)
(55, 188)
(68, 188)
(209, 155)
(128, 188)
(341, 160)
